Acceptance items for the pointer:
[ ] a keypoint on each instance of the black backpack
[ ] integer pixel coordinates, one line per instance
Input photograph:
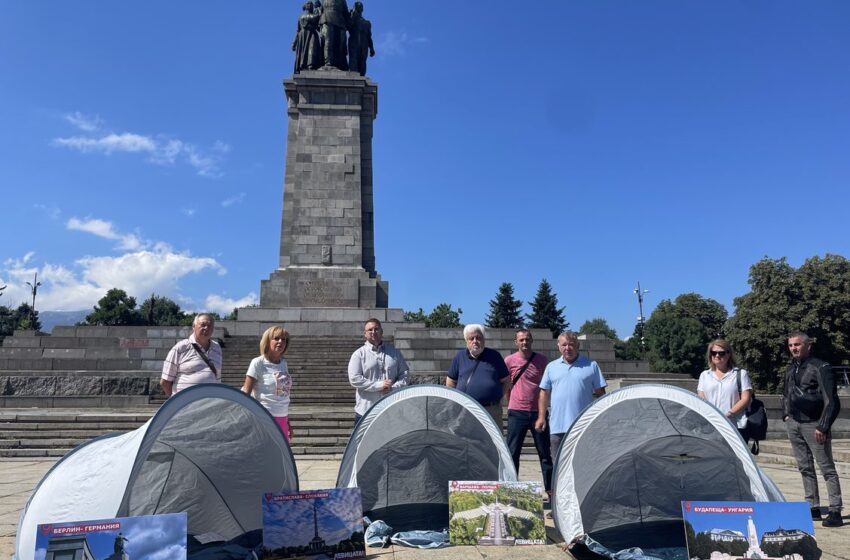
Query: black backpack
(756, 429)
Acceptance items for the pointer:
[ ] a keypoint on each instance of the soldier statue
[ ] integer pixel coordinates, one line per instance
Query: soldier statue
(118, 546)
(360, 46)
(307, 47)
(334, 22)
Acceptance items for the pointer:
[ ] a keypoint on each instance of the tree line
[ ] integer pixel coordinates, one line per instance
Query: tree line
(814, 298)
(505, 312)
(117, 308)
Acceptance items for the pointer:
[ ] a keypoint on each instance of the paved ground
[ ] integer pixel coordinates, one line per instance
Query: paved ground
(19, 476)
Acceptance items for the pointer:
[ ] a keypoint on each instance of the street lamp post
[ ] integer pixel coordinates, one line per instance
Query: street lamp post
(34, 288)
(641, 319)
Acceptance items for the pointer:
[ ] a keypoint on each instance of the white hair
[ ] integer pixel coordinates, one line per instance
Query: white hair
(197, 318)
(474, 327)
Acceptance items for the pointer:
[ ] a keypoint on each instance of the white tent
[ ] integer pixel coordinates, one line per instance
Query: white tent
(210, 451)
(633, 456)
(410, 444)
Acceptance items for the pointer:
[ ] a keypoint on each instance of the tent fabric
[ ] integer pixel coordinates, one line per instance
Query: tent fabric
(632, 456)
(210, 451)
(410, 444)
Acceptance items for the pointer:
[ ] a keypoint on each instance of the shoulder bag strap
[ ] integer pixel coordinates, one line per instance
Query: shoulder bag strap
(738, 380)
(522, 369)
(469, 379)
(204, 357)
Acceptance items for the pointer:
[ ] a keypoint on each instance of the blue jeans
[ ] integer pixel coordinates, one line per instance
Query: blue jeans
(519, 423)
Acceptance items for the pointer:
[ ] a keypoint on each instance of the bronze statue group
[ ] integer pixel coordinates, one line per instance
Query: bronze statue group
(320, 39)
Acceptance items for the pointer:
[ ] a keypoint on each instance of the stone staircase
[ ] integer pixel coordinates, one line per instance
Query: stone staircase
(319, 430)
(59, 391)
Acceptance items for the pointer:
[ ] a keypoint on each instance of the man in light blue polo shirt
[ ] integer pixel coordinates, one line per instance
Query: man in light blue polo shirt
(570, 383)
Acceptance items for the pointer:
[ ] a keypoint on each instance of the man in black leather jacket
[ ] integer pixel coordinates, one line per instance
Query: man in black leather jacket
(810, 404)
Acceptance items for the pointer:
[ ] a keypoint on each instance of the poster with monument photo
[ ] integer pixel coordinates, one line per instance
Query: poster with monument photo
(314, 523)
(122, 538)
(496, 513)
(727, 530)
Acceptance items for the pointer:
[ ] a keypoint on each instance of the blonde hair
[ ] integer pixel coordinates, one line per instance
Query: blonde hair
(270, 334)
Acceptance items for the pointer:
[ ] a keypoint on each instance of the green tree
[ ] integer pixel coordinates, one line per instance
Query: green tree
(161, 311)
(598, 326)
(630, 349)
(678, 331)
(416, 316)
(545, 313)
(441, 317)
(115, 308)
(504, 309)
(814, 298)
(707, 312)
(25, 319)
(7, 322)
(444, 317)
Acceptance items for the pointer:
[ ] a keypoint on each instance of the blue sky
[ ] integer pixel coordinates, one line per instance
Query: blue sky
(595, 144)
(149, 537)
(767, 516)
(291, 523)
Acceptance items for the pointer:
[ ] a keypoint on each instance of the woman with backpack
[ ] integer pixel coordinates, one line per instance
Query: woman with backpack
(726, 386)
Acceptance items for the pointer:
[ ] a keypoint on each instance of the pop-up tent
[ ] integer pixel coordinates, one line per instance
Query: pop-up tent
(210, 451)
(410, 444)
(633, 456)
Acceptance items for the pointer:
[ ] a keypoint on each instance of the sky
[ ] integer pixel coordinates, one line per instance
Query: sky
(291, 522)
(767, 516)
(149, 537)
(596, 144)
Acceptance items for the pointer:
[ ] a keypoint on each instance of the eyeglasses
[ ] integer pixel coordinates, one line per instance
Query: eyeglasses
(718, 353)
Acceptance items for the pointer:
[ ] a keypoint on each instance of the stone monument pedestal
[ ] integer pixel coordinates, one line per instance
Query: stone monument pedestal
(327, 248)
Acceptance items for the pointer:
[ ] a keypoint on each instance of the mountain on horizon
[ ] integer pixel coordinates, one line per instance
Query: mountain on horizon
(50, 319)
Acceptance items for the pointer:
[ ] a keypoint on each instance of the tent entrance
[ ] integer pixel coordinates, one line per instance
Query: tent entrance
(405, 482)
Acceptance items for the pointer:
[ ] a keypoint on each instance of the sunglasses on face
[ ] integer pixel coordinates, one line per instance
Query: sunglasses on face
(718, 353)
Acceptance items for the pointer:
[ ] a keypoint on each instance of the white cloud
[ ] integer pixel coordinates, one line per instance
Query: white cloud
(237, 199)
(144, 267)
(394, 43)
(124, 142)
(139, 273)
(225, 305)
(160, 149)
(105, 229)
(189, 212)
(86, 123)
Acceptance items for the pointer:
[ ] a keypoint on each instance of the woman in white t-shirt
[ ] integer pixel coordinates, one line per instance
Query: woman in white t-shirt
(268, 378)
(719, 383)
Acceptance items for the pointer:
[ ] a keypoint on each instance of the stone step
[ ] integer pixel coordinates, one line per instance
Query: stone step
(764, 458)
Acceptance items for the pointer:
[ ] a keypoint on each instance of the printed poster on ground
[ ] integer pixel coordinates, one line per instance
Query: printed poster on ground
(496, 513)
(315, 523)
(122, 538)
(730, 530)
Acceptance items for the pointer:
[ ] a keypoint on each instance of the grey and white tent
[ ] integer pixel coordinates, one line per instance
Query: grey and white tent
(633, 456)
(410, 444)
(210, 451)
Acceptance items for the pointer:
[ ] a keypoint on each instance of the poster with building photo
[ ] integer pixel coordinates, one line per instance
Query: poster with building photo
(749, 530)
(122, 538)
(314, 523)
(496, 513)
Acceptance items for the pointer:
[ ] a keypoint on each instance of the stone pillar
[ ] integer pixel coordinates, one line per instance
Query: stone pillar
(327, 241)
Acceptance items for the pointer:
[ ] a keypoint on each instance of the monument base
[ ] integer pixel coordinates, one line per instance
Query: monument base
(313, 321)
(324, 286)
